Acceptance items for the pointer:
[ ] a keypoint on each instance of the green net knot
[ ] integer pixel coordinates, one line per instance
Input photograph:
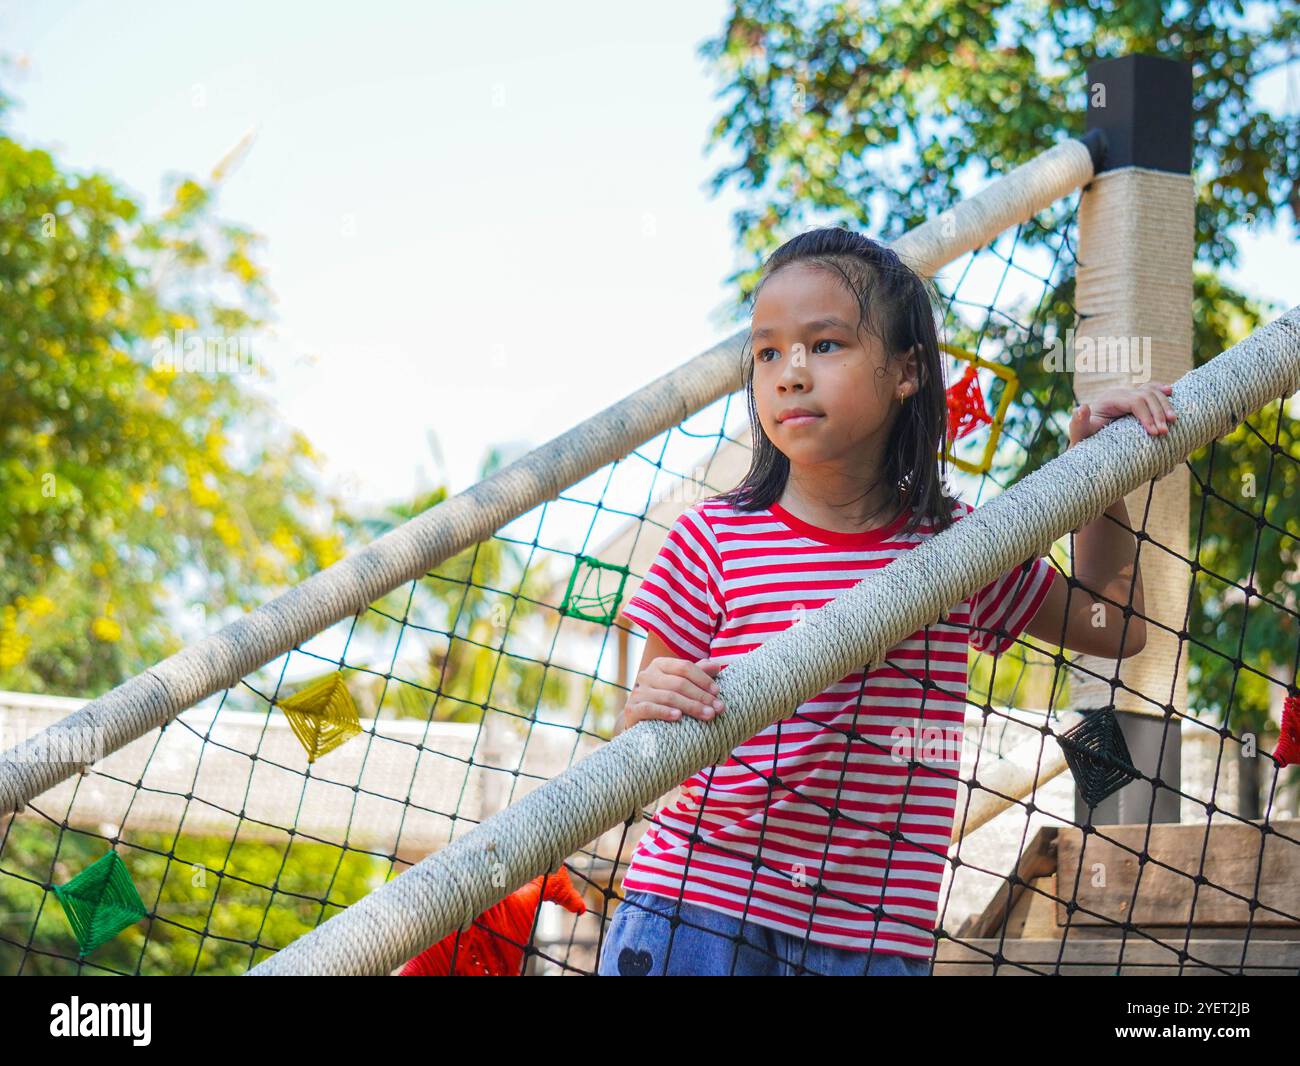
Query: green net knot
(576, 598)
(100, 902)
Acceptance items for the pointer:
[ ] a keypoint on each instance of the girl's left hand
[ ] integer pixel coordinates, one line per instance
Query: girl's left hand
(1146, 402)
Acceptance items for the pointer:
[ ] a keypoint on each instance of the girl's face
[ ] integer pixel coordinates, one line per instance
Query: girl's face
(809, 353)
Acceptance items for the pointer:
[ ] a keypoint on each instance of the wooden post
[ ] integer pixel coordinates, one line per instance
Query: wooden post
(1134, 299)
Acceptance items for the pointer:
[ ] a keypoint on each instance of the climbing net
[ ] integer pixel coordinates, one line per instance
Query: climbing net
(209, 843)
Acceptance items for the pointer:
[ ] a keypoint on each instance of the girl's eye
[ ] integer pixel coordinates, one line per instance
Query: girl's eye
(814, 348)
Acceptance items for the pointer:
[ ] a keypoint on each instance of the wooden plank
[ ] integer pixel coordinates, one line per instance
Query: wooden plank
(1037, 860)
(1235, 855)
(1171, 934)
(217, 771)
(1027, 958)
(1035, 914)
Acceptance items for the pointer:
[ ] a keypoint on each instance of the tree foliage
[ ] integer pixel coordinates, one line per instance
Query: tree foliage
(134, 486)
(873, 112)
(212, 910)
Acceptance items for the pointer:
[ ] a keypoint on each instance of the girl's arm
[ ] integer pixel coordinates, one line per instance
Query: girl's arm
(1105, 550)
(1105, 565)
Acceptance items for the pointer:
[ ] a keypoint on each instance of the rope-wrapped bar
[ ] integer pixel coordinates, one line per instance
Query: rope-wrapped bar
(449, 888)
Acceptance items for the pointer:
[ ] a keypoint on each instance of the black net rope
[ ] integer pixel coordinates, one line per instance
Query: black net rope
(252, 818)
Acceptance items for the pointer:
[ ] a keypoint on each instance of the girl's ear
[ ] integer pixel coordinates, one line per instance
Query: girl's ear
(912, 369)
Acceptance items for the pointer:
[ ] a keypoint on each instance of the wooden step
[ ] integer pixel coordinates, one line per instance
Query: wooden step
(1132, 957)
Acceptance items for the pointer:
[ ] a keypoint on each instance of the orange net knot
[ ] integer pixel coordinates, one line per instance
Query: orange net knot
(494, 945)
(1288, 744)
(966, 405)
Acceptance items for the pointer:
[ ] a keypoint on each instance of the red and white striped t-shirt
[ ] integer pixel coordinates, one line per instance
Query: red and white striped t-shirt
(726, 580)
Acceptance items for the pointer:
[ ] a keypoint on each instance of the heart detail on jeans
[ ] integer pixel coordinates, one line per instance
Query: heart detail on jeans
(633, 963)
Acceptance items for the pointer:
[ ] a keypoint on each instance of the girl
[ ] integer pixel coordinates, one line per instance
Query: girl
(819, 846)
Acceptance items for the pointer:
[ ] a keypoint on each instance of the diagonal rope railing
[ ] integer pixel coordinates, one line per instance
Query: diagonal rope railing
(449, 888)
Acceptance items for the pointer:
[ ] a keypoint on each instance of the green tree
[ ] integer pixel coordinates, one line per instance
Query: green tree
(873, 111)
(128, 480)
(212, 908)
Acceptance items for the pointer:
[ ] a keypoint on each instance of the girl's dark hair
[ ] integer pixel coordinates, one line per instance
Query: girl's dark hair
(895, 307)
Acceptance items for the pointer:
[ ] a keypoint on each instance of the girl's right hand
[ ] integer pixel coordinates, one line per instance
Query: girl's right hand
(668, 688)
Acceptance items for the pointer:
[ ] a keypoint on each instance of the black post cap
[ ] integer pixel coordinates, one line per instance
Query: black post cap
(1142, 104)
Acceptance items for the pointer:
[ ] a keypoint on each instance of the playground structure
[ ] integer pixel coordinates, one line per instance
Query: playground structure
(1170, 873)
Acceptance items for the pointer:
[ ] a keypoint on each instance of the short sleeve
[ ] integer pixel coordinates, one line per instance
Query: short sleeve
(679, 600)
(1001, 609)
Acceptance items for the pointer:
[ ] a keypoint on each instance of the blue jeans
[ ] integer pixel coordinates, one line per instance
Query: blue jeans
(709, 943)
